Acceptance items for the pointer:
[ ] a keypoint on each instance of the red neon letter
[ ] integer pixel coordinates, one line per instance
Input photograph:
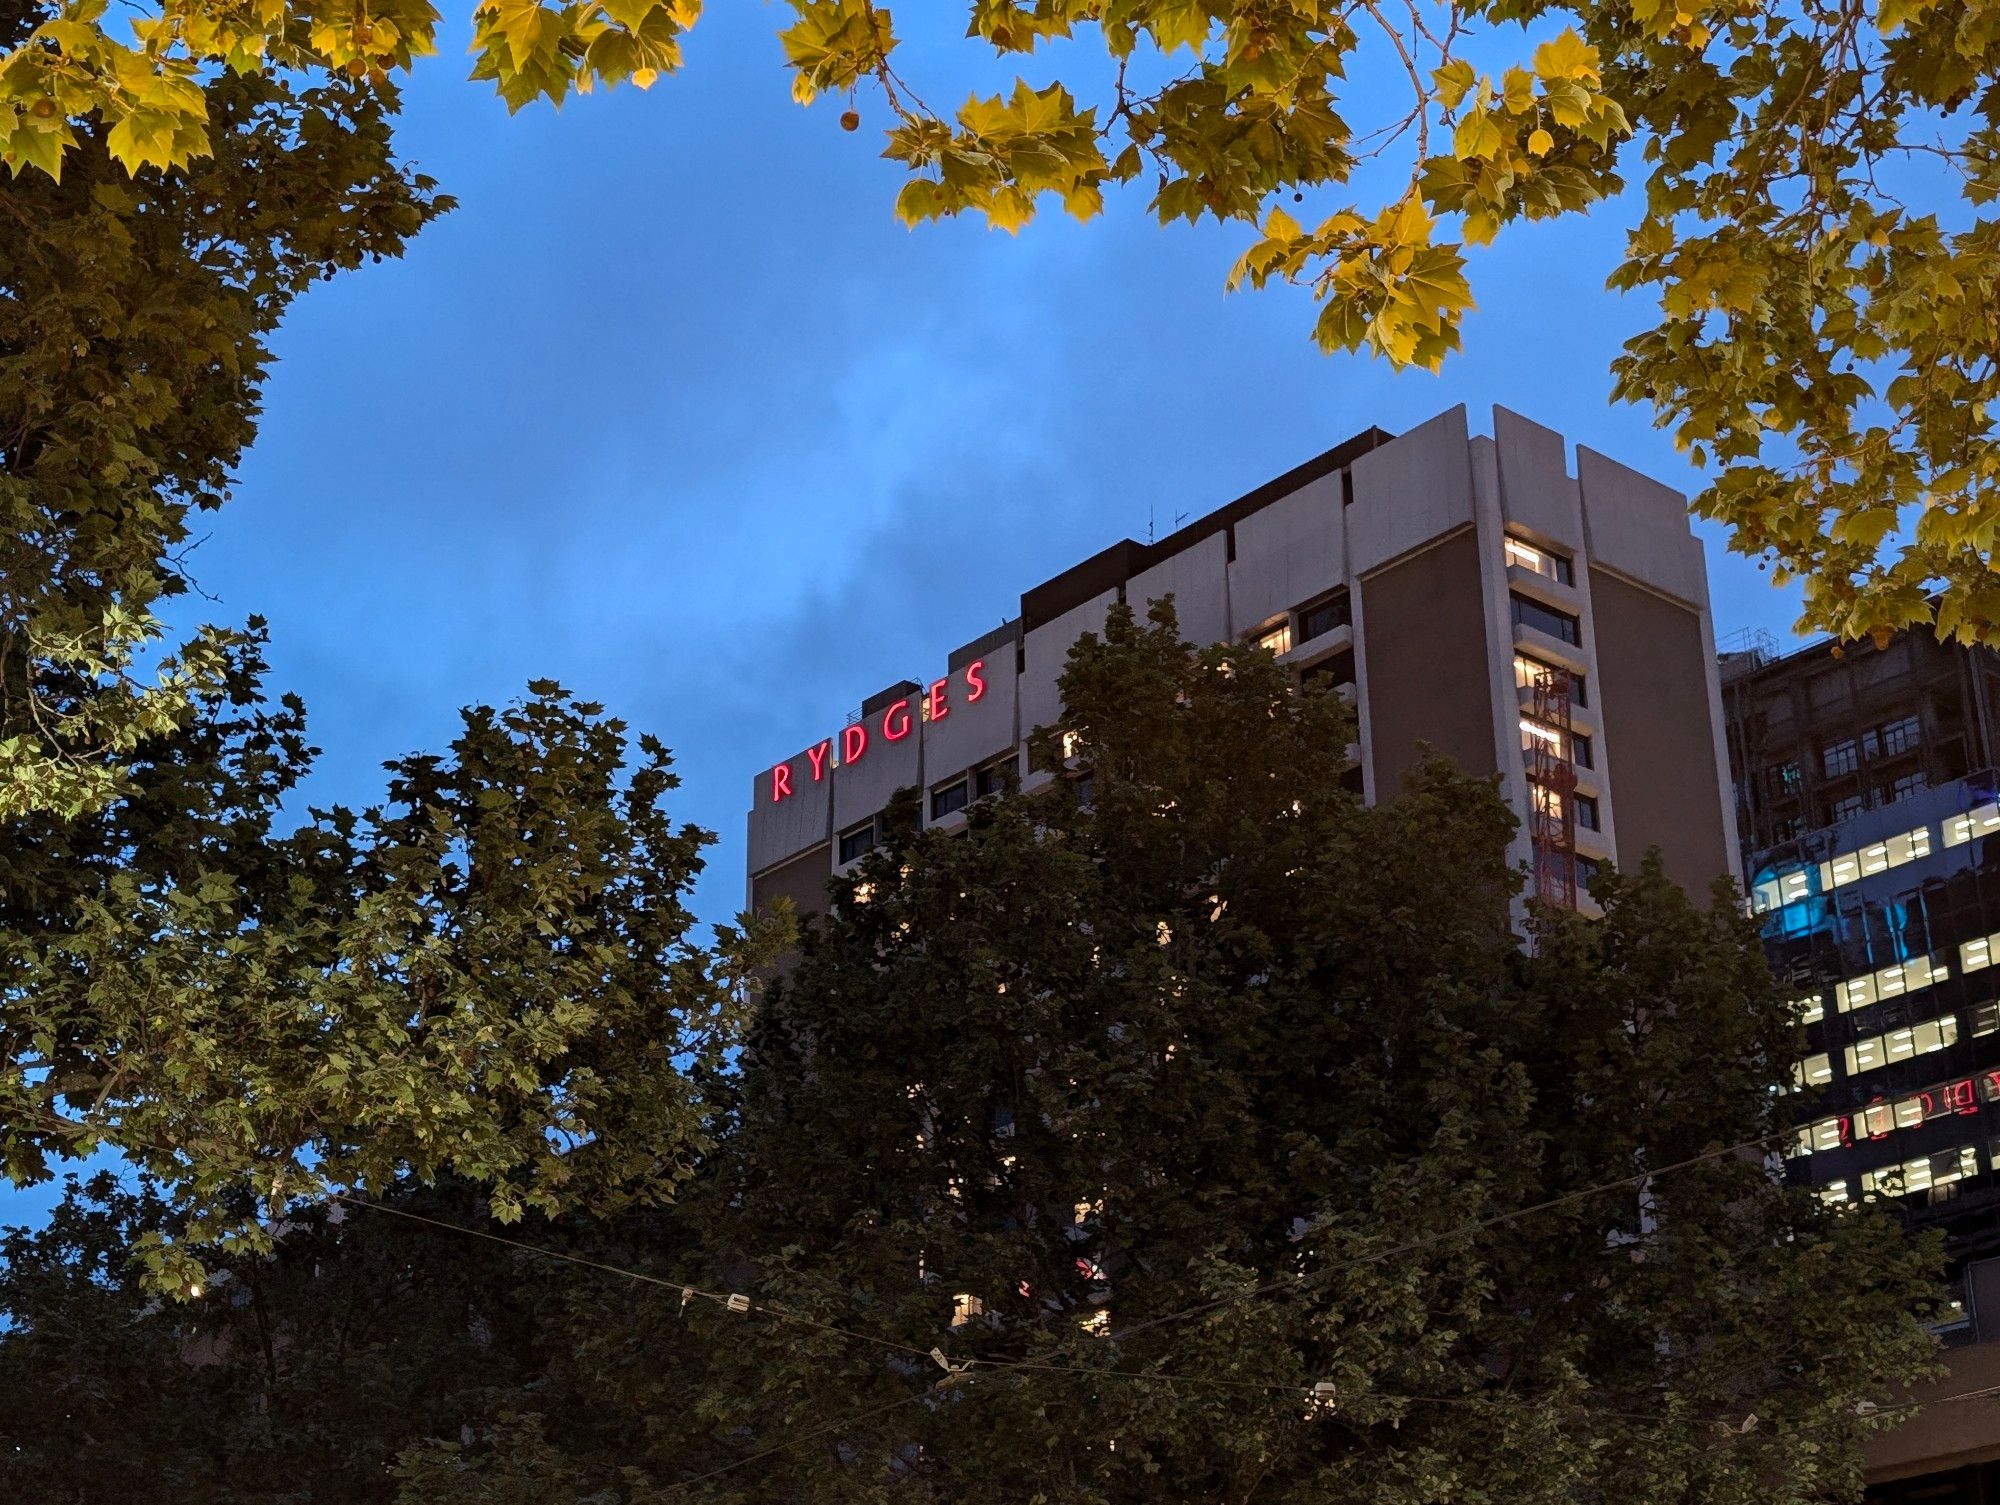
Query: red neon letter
(817, 757)
(975, 681)
(1959, 1096)
(853, 743)
(894, 730)
(934, 703)
(781, 782)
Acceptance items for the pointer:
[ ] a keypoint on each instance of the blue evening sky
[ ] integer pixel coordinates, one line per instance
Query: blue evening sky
(672, 410)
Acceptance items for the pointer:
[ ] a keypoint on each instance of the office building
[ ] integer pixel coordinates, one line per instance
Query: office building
(1869, 806)
(1546, 624)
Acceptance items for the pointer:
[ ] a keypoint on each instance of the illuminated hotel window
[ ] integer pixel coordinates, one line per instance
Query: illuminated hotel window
(1557, 624)
(1980, 821)
(1873, 1051)
(1809, 1009)
(857, 842)
(1922, 1173)
(1534, 734)
(1278, 639)
(1911, 976)
(1544, 562)
(1834, 1193)
(1551, 802)
(1323, 617)
(1879, 857)
(1527, 669)
(1813, 1071)
(948, 799)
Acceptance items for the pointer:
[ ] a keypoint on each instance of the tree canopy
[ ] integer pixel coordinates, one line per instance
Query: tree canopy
(1804, 184)
(491, 974)
(1183, 1130)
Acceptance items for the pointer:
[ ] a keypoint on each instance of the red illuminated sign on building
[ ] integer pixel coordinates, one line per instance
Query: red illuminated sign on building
(894, 724)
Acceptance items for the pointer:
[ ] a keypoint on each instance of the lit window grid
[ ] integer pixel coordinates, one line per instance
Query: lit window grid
(1982, 820)
(1922, 1173)
(1877, 857)
(1872, 1052)
(1896, 981)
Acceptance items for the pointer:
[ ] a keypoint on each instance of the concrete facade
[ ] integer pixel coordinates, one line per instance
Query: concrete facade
(1419, 569)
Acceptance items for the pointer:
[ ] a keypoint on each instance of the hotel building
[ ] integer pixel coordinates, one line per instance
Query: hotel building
(1544, 623)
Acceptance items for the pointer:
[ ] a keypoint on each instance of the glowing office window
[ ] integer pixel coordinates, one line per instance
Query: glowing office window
(1877, 857)
(1922, 1173)
(1813, 1071)
(1983, 820)
(1834, 1193)
(1977, 954)
(1896, 981)
(1809, 1009)
(1873, 1051)
(964, 1307)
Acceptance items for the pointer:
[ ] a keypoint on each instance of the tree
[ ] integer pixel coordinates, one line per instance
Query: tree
(1830, 349)
(299, 1375)
(134, 314)
(1158, 1099)
(491, 974)
(1167, 1095)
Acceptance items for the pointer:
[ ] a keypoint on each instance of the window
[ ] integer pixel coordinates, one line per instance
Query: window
(994, 778)
(1976, 954)
(1586, 870)
(1904, 787)
(1872, 1051)
(1878, 857)
(1838, 758)
(1846, 808)
(1557, 624)
(1322, 618)
(951, 797)
(1899, 736)
(1277, 639)
(1786, 828)
(1780, 888)
(1545, 562)
(1536, 737)
(1583, 805)
(1982, 820)
(1912, 976)
(1336, 669)
(858, 842)
(1813, 1071)
(1785, 779)
(1923, 1173)
(1809, 1009)
(1528, 669)
(965, 1307)
(1985, 1019)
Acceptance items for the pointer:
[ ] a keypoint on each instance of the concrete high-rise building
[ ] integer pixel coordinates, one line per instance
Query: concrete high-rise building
(1546, 624)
